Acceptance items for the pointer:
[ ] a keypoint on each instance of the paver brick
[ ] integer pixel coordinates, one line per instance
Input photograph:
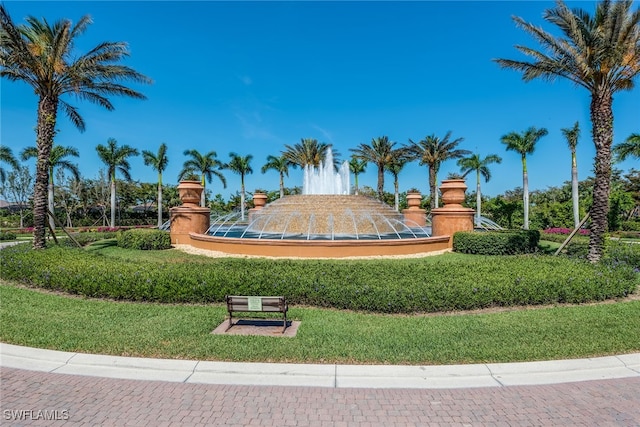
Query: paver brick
(105, 401)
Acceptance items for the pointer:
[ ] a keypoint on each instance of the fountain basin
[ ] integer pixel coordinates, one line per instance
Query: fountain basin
(320, 248)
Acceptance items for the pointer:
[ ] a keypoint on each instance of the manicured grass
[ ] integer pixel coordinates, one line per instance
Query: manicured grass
(45, 320)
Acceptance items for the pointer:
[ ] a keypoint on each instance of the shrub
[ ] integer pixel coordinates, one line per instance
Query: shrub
(8, 235)
(510, 242)
(454, 282)
(630, 226)
(144, 239)
(565, 231)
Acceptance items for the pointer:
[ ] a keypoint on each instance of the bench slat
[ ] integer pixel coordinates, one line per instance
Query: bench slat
(268, 304)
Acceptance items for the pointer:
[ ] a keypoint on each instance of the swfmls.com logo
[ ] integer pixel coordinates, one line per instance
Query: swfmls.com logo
(31, 415)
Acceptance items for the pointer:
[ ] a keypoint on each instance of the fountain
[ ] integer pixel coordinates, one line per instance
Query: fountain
(324, 180)
(327, 222)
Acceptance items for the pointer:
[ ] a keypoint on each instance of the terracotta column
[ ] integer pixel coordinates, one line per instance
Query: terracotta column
(259, 201)
(190, 217)
(413, 215)
(452, 216)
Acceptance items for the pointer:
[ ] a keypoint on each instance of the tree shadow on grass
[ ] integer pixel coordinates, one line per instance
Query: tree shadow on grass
(102, 244)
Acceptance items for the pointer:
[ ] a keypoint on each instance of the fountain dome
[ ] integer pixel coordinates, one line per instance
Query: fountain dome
(320, 217)
(325, 222)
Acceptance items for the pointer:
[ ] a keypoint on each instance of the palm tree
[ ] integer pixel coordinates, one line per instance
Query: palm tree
(159, 163)
(378, 153)
(206, 165)
(6, 156)
(572, 135)
(280, 164)
(357, 167)
(481, 167)
(242, 166)
(524, 143)
(399, 158)
(56, 160)
(43, 56)
(601, 54)
(629, 148)
(432, 151)
(116, 159)
(308, 152)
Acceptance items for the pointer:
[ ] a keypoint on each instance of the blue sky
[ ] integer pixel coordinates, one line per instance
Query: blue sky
(250, 77)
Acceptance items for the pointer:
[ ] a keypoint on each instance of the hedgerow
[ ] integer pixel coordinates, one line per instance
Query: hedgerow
(144, 239)
(8, 235)
(387, 286)
(507, 242)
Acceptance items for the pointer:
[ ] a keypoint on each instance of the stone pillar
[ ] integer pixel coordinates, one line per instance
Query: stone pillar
(413, 215)
(452, 216)
(190, 217)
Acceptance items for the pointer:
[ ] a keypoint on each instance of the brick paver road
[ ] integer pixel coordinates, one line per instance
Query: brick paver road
(79, 400)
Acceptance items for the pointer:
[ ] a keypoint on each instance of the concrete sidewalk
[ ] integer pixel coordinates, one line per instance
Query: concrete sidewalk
(316, 375)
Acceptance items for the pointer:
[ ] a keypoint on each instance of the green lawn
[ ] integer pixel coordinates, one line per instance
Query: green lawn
(45, 320)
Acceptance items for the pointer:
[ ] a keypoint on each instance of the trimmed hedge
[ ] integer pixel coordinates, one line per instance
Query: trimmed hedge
(8, 235)
(508, 242)
(144, 239)
(450, 282)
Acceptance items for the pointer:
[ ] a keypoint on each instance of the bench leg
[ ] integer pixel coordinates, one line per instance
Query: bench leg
(284, 326)
(230, 323)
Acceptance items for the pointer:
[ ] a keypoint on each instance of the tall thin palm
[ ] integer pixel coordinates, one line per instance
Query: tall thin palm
(602, 54)
(158, 161)
(399, 159)
(281, 165)
(480, 166)
(206, 165)
(357, 167)
(44, 57)
(116, 158)
(629, 148)
(433, 151)
(308, 152)
(242, 166)
(572, 135)
(524, 143)
(57, 160)
(379, 152)
(6, 156)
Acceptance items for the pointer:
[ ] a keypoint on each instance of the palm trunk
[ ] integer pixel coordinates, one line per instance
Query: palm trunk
(381, 182)
(281, 185)
(574, 191)
(47, 110)
(478, 199)
(202, 196)
(356, 178)
(432, 188)
(159, 200)
(242, 199)
(396, 196)
(51, 203)
(113, 202)
(602, 129)
(525, 193)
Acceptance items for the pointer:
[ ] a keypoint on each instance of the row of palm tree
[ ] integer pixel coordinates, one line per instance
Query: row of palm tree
(600, 52)
(116, 159)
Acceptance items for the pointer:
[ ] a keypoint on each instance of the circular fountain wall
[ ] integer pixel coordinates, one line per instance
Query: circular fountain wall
(324, 222)
(320, 226)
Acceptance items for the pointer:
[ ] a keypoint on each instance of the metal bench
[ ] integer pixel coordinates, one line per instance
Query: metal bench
(256, 304)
